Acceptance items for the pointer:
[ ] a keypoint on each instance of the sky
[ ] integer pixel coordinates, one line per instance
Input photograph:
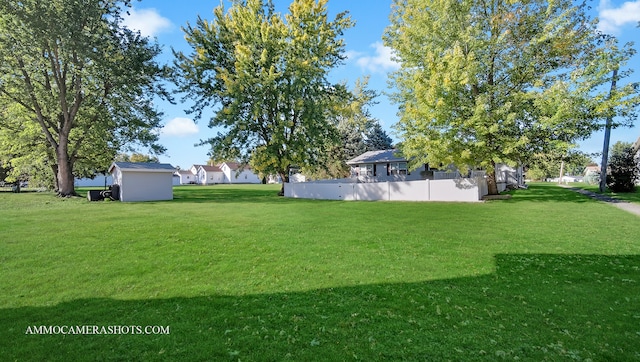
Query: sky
(366, 57)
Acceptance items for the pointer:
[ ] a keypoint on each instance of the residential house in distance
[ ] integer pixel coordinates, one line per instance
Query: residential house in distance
(185, 177)
(209, 175)
(224, 173)
(235, 174)
(390, 165)
(591, 174)
(385, 165)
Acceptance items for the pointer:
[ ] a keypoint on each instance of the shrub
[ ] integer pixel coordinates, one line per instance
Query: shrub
(623, 171)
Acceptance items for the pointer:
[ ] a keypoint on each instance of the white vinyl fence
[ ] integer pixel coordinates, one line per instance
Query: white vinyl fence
(460, 189)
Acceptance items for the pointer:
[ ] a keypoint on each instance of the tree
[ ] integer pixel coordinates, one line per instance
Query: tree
(266, 75)
(377, 138)
(81, 79)
(543, 166)
(624, 170)
(487, 82)
(136, 157)
(353, 120)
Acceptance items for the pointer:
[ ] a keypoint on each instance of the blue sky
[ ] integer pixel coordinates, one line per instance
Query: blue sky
(163, 19)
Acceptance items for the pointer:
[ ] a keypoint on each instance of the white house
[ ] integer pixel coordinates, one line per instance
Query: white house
(185, 177)
(142, 181)
(234, 174)
(208, 175)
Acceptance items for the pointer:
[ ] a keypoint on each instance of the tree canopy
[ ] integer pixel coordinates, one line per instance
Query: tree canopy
(266, 77)
(79, 83)
(487, 82)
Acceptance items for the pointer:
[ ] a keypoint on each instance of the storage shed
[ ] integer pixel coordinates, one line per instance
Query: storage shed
(143, 181)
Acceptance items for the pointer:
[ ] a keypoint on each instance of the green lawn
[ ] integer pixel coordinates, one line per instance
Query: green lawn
(238, 273)
(628, 196)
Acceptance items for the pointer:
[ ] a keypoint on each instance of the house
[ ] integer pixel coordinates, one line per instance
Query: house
(208, 175)
(185, 177)
(235, 174)
(390, 165)
(591, 174)
(385, 165)
(134, 181)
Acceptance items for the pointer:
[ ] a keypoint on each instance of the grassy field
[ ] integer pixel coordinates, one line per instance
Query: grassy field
(238, 273)
(628, 196)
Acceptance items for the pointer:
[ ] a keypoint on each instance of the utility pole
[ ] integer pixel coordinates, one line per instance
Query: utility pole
(607, 136)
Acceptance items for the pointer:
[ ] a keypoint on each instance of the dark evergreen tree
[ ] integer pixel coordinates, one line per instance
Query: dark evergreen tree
(623, 169)
(377, 138)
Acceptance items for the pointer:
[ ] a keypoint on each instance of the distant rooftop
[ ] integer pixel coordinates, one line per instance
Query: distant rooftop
(377, 157)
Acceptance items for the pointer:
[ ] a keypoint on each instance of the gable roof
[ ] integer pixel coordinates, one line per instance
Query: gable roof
(210, 168)
(184, 172)
(377, 157)
(142, 167)
(235, 166)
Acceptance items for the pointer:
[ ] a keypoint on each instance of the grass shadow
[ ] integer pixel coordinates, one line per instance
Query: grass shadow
(546, 192)
(533, 307)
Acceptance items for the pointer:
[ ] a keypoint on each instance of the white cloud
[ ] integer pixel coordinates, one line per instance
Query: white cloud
(148, 21)
(352, 54)
(379, 63)
(612, 19)
(180, 127)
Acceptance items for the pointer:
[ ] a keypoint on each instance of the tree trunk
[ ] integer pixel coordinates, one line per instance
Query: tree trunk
(492, 185)
(284, 176)
(65, 170)
(54, 172)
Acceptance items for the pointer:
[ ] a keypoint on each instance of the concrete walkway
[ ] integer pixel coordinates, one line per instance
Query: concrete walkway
(621, 204)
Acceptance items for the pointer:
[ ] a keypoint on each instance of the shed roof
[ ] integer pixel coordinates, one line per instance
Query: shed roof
(377, 157)
(143, 167)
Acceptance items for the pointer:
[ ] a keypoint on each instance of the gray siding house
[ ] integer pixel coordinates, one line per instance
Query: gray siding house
(385, 165)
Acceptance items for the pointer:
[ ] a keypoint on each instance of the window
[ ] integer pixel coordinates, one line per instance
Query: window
(399, 168)
(366, 170)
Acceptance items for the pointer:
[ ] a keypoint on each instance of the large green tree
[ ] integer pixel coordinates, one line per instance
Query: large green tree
(266, 77)
(494, 81)
(81, 78)
(354, 122)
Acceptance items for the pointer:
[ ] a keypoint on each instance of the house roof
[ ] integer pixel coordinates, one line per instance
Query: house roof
(210, 168)
(235, 166)
(184, 172)
(377, 157)
(142, 167)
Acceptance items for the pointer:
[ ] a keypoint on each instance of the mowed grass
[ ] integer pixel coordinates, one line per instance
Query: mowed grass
(627, 196)
(238, 273)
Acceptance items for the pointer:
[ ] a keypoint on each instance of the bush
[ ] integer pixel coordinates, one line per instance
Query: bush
(623, 171)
